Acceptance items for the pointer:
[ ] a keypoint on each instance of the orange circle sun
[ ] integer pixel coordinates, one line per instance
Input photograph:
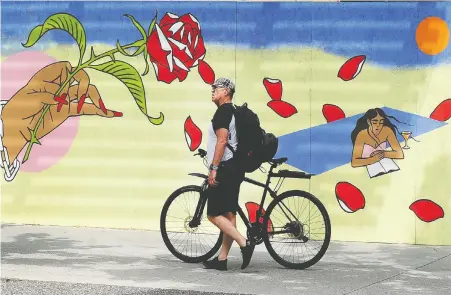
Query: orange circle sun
(432, 35)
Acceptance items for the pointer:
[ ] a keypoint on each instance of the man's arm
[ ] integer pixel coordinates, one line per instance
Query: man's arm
(221, 143)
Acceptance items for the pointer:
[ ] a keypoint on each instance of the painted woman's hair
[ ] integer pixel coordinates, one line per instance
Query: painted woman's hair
(362, 123)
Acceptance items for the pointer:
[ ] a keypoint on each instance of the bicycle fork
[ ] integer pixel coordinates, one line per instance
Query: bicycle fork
(195, 222)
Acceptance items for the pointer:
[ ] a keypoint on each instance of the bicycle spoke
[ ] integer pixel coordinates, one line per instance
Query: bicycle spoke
(183, 241)
(297, 240)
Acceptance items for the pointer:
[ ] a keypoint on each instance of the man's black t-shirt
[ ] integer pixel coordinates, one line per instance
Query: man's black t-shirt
(223, 118)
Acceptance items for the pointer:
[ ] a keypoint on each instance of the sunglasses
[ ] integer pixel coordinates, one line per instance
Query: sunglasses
(213, 88)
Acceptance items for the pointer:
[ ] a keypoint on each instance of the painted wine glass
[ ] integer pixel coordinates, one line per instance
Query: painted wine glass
(406, 135)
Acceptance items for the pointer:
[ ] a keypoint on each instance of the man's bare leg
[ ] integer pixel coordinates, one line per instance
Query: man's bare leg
(227, 240)
(228, 228)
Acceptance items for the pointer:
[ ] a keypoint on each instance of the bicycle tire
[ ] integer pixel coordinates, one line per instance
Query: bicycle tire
(322, 209)
(167, 242)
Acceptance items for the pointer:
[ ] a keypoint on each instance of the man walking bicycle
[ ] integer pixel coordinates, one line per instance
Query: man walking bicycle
(225, 176)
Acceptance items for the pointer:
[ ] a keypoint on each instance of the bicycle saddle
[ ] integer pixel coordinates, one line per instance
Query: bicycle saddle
(278, 161)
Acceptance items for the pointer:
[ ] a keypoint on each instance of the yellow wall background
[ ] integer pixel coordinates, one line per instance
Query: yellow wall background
(119, 172)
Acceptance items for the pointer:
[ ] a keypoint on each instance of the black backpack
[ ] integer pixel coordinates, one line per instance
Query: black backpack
(255, 146)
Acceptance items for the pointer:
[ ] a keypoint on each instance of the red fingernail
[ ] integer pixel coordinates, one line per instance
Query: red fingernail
(117, 114)
(80, 103)
(102, 106)
(61, 99)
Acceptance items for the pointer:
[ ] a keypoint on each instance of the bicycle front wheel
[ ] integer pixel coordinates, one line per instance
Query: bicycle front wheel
(297, 221)
(188, 244)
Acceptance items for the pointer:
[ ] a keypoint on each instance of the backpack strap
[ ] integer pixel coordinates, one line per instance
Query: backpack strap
(228, 144)
(231, 149)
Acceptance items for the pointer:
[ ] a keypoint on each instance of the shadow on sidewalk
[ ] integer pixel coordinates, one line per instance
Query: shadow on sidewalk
(42, 249)
(141, 257)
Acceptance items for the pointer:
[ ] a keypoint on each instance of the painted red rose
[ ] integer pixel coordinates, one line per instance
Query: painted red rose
(175, 46)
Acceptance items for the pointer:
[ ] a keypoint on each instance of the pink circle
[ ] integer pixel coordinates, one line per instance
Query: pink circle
(16, 71)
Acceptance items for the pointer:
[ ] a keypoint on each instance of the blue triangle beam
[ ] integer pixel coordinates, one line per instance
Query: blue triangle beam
(325, 147)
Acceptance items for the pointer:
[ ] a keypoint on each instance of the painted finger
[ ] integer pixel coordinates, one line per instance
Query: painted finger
(44, 97)
(49, 98)
(73, 97)
(73, 94)
(51, 87)
(55, 72)
(91, 109)
(94, 95)
(83, 82)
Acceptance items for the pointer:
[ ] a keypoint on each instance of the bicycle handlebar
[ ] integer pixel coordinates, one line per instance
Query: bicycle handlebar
(202, 153)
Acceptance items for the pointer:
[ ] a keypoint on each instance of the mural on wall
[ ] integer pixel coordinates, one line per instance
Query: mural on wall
(355, 134)
(174, 46)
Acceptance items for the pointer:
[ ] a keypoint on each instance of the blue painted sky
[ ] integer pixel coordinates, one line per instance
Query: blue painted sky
(384, 31)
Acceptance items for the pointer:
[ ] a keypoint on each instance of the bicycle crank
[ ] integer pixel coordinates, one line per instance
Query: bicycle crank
(255, 234)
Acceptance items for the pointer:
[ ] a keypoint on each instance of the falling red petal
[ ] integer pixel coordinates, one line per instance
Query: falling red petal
(443, 111)
(282, 108)
(351, 68)
(349, 197)
(206, 72)
(273, 87)
(193, 135)
(427, 210)
(252, 209)
(333, 113)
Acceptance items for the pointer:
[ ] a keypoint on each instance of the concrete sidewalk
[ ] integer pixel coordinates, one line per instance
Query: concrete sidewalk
(56, 260)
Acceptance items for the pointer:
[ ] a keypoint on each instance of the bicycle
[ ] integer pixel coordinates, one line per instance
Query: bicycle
(260, 229)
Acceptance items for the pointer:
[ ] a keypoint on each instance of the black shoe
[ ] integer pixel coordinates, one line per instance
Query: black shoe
(215, 263)
(247, 252)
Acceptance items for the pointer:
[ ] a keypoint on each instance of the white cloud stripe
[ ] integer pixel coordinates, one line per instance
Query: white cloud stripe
(111, 182)
(90, 200)
(334, 86)
(349, 6)
(114, 162)
(354, 24)
(165, 6)
(33, 7)
(127, 145)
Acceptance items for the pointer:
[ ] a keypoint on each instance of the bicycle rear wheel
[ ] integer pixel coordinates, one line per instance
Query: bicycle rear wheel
(284, 217)
(174, 227)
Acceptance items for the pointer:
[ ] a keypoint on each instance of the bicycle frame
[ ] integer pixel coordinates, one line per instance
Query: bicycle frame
(203, 199)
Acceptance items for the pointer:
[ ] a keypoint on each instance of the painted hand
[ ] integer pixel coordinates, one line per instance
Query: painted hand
(378, 154)
(24, 109)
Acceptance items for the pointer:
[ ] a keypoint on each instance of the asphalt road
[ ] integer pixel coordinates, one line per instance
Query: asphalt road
(61, 260)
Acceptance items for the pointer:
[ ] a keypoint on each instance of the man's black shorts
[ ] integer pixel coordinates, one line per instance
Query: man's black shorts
(223, 198)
